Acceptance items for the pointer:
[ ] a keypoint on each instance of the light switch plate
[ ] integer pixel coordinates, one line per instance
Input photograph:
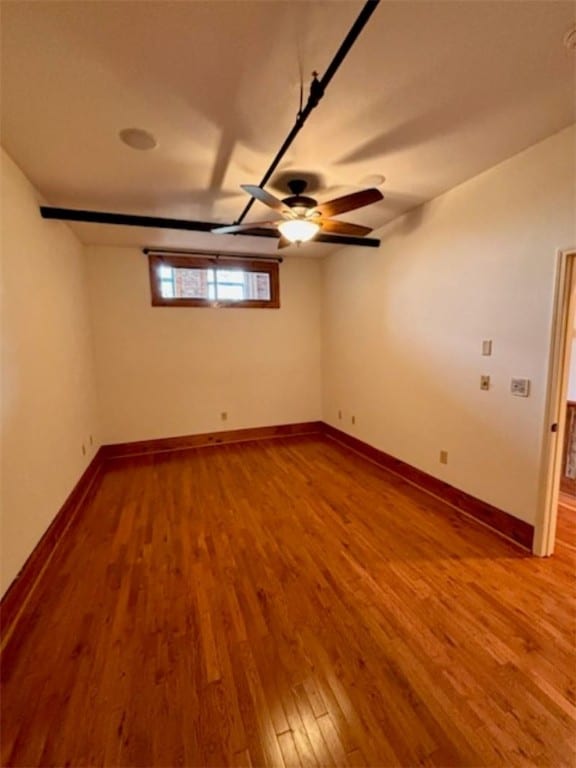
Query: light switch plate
(487, 347)
(520, 387)
(485, 382)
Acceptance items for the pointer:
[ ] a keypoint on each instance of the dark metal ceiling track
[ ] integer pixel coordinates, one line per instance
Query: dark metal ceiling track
(125, 219)
(129, 220)
(317, 90)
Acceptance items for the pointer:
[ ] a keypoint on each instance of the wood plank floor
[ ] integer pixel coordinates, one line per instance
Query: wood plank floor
(287, 603)
(566, 522)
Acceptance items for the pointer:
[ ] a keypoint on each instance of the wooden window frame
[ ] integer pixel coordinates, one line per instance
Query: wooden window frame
(247, 265)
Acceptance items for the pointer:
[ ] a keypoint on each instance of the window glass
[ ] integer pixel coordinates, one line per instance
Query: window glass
(186, 281)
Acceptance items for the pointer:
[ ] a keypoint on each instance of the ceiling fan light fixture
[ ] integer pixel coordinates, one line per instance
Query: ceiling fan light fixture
(298, 230)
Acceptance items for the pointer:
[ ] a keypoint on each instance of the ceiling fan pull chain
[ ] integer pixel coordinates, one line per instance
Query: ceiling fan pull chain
(301, 98)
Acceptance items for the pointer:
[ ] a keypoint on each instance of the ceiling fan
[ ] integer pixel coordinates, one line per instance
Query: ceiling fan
(302, 216)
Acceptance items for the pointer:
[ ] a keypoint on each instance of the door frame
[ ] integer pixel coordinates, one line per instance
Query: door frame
(564, 309)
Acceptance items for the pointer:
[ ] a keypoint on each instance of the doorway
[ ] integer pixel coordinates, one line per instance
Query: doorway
(560, 443)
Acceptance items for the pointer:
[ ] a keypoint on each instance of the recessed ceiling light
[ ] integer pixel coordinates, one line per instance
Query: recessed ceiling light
(136, 138)
(570, 39)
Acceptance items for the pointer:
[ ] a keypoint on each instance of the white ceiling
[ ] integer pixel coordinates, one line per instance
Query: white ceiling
(431, 94)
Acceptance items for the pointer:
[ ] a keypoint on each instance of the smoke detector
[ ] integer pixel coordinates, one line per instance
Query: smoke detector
(137, 138)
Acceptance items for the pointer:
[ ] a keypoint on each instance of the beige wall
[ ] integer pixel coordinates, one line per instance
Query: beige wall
(403, 327)
(165, 371)
(47, 404)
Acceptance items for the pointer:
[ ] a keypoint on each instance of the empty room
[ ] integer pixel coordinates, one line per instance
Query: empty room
(288, 298)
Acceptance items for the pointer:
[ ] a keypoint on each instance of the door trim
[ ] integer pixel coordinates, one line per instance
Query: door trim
(557, 389)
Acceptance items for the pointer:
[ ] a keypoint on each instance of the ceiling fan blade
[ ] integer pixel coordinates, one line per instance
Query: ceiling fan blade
(264, 197)
(350, 202)
(230, 229)
(343, 227)
(283, 242)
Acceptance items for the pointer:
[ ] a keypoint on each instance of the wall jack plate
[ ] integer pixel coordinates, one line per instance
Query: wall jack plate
(520, 387)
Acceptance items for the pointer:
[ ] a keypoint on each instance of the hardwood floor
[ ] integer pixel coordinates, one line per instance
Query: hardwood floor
(566, 521)
(288, 603)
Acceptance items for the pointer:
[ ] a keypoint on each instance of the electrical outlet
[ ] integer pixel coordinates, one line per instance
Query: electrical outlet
(353, 419)
(485, 382)
(443, 457)
(340, 415)
(224, 415)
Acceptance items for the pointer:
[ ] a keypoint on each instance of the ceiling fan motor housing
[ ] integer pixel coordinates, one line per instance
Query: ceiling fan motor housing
(297, 202)
(300, 201)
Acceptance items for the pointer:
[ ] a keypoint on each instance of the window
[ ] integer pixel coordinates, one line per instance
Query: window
(203, 281)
